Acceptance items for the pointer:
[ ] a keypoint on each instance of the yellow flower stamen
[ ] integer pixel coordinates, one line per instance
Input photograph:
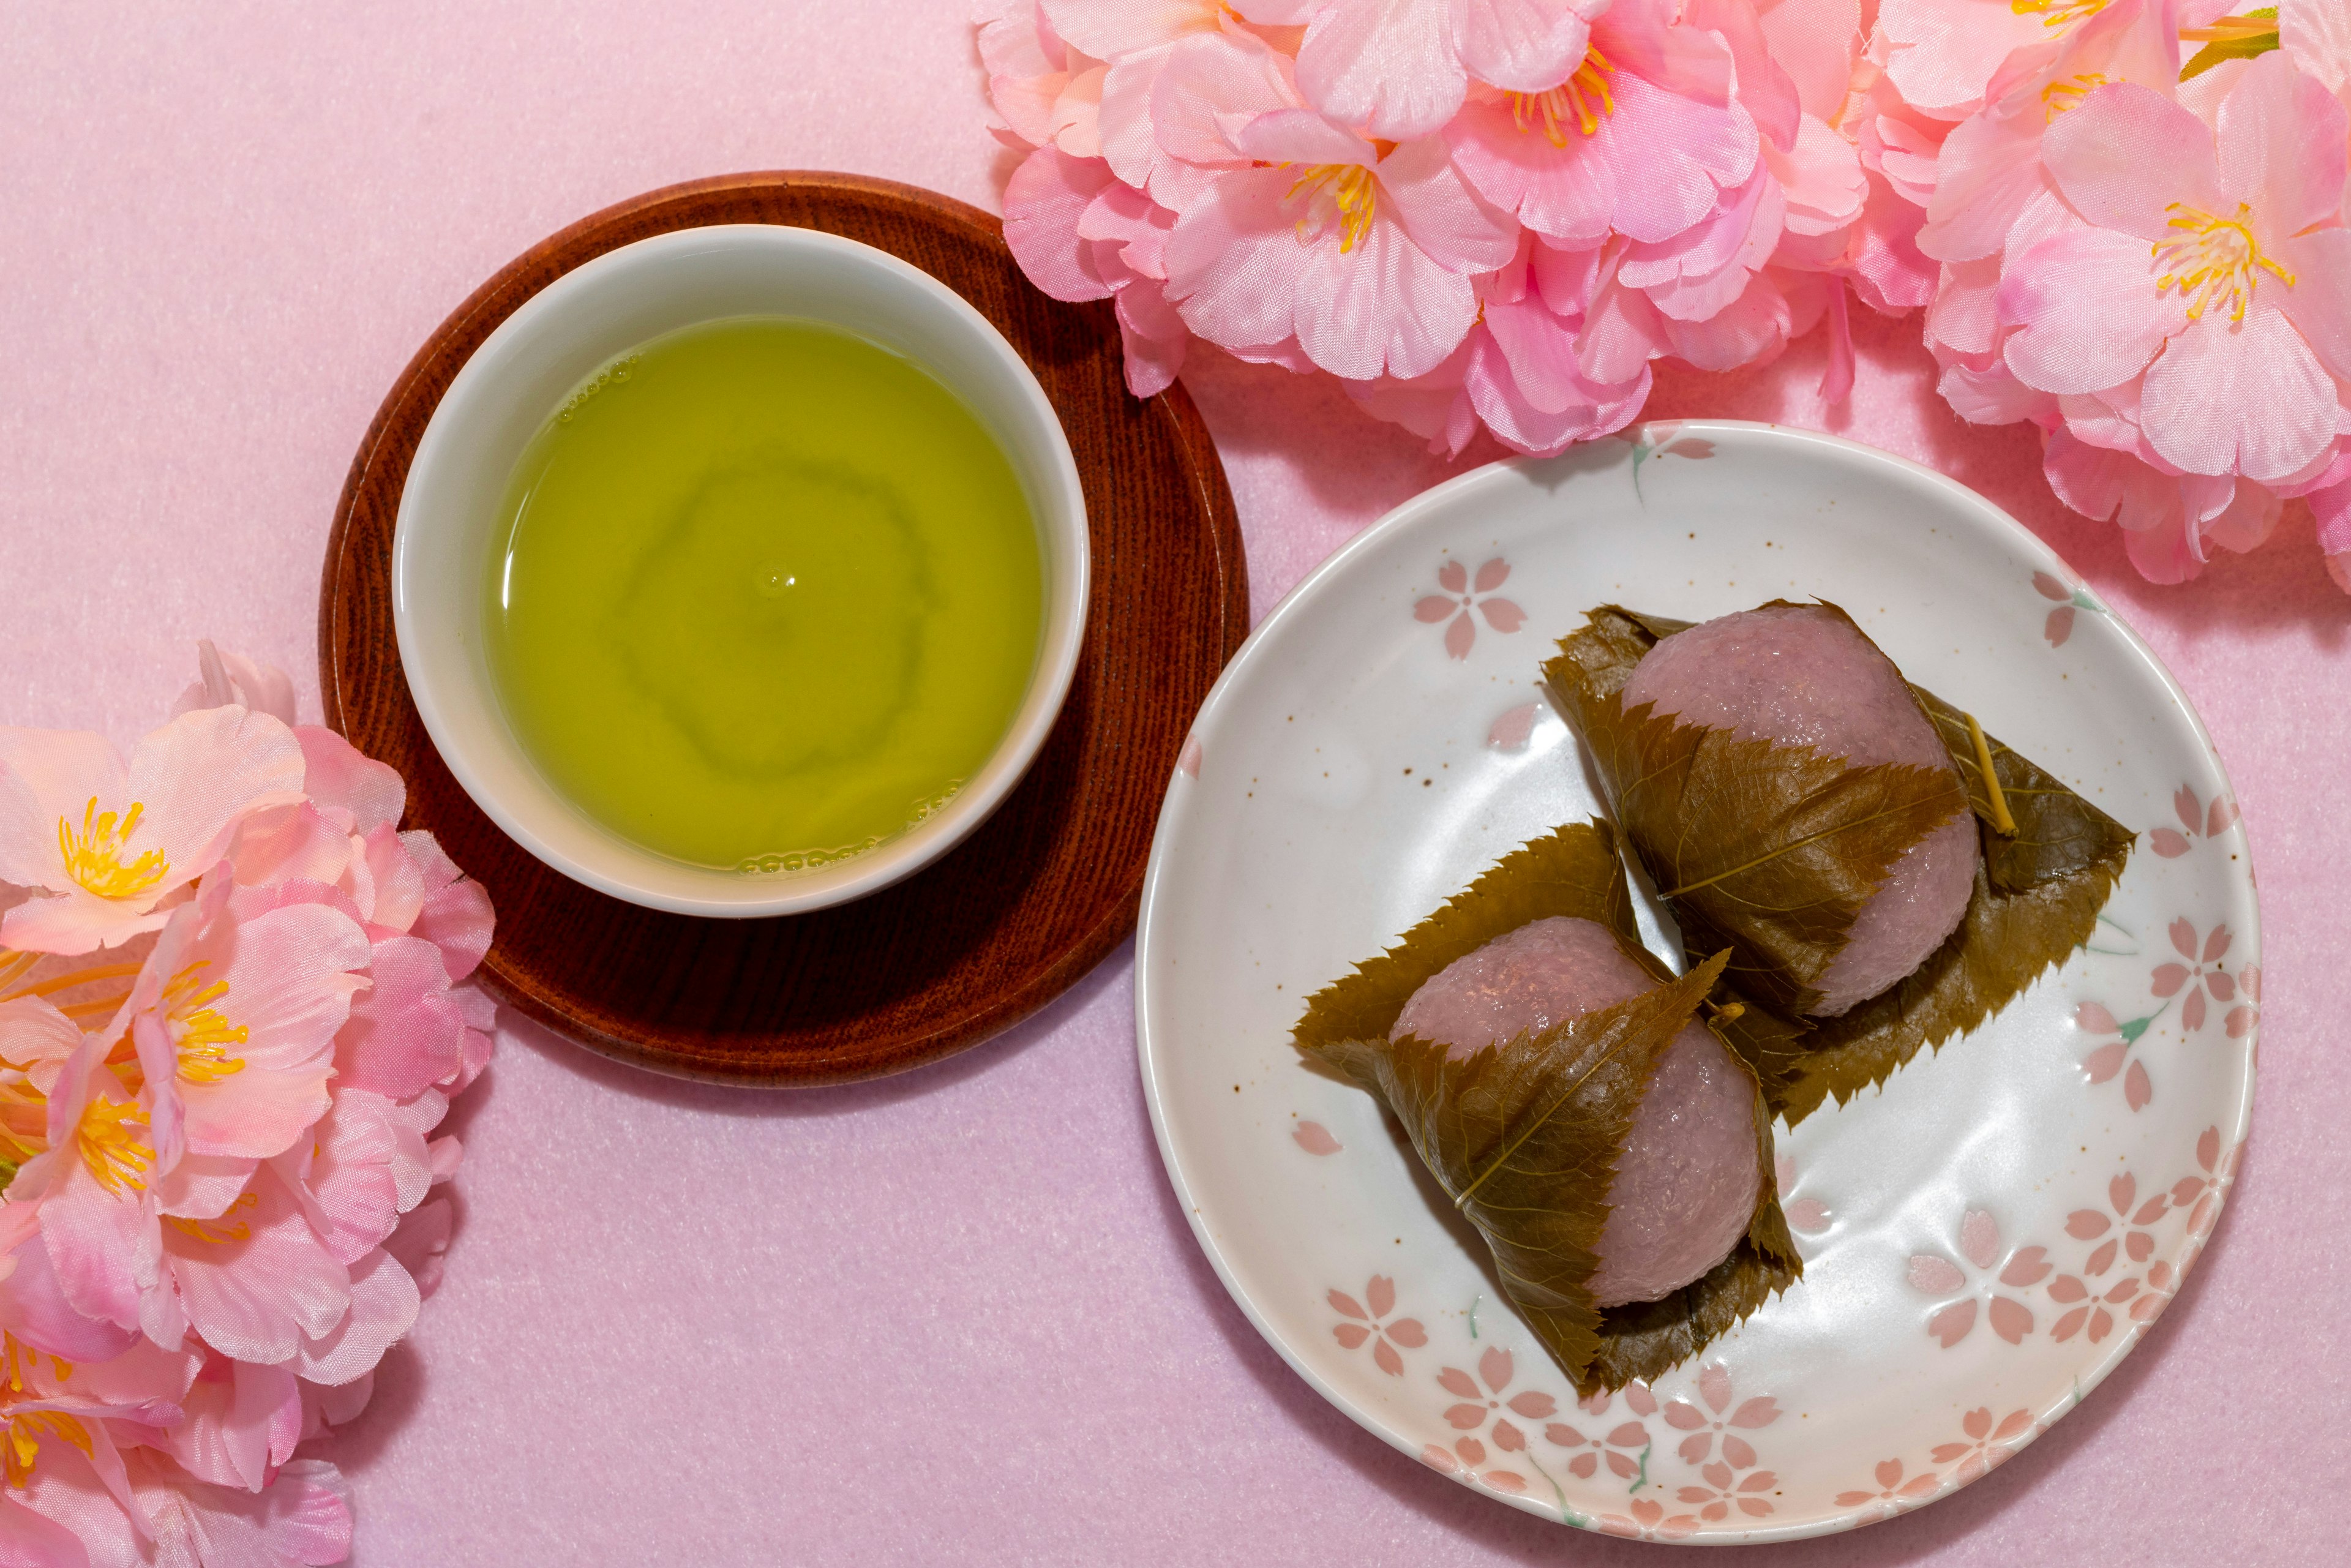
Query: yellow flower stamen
(23, 1442)
(1350, 192)
(113, 1154)
(204, 1035)
(2060, 96)
(2235, 29)
(2055, 14)
(219, 1232)
(94, 857)
(1573, 99)
(2215, 259)
(20, 1361)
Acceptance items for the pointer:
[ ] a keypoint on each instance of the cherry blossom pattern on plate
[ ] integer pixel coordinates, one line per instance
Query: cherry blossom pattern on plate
(2068, 599)
(1462, 1462)
(1649, 1521)
(2200, 1195)
(1664, 438)
(1987, 1447)
(2093, 1301)
(1935, 1274)
(1514, 728)
(2201, 975)
(1364, 1324)
(1806, 1215)
(1316, 1138)
(2245, 1017)
(1622, 1446)
(1461, 596)
(2106, 1059)
(1477, 1407)
(2198, 820)
(1723, 1487)
(1894, 1493)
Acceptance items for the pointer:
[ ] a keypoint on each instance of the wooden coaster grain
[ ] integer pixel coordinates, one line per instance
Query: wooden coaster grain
(1016, 914)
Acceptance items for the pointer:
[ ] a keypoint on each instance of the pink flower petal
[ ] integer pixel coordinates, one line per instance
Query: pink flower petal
(1951, 1324)
(1346, 1305)
(1502, 615)
(1693, 1449)
(1042, 204)
(1381, 1294)
(1314, 1138)
(1509, 1438)
(1453, 577)
(1930, 1275)
(1979, 1237)
(2049, 587)
(1491, 575)
(1629, 1434)
(1471, 1450)
(2069, 1325)
(2127, 156)
(2191, 1012)
(1496, 1367)
(2136, 1088)
(2029, 1266)
(1385, 1357)
(1623, 1465)
(1514, 728)
(1388, 66)
(1434, 608)
(1465, 1418)
(2240, 397)
(1684, 1415)
(2225, 816)
(2059, 626)
(1583, 1467)
(1408, 1332)
(2101, 1258)
(2167, 842)
(2168, 978)
(2086, 313)
(1533, 1406)
(2105, 1061)
(1505, 1480)
(2010, 1319)
(1644, 1403)
(1351, 1336)
(1760, 1411)
(1460, 635)
(1738, 1451)
(1457, 1382)
(1714, 1386)
(1808, 1215)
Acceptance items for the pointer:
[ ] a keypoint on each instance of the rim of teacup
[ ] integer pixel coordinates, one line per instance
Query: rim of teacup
(504, 393)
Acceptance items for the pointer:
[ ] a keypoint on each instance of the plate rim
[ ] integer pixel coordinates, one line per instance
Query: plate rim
(1650, 435)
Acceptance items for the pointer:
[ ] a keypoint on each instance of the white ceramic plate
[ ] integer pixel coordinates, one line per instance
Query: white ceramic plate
(1984, 1239)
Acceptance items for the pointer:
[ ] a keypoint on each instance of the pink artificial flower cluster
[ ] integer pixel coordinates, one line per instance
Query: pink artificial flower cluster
(1500, 213)
(1477, 212)
(231, 1015)
(2143, 252)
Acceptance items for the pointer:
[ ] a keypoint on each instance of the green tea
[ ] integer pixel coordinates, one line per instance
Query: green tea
(765, 594)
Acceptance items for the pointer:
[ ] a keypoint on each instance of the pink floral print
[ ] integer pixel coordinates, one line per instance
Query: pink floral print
(1461, 596)
(2196, 819)
(1316, 1138)
(1705, 1425)
(2092, 1302)
(2246, 1016)
(1933, 1274)
(1365, 1325)
(2200, 975)
(1649, 1521)
(1894, 1493)
(2068, 599)
(1462, 1460)
(2106, 1060)
(1478, 1404)
(1618, 1446)
(1806, 1215)
(1987, 1447)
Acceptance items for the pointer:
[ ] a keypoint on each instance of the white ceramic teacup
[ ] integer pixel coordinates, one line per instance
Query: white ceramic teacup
(450, 522)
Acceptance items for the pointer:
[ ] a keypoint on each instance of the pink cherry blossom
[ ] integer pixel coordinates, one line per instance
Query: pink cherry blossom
(1987, 1447)
(2201, 974)
(1362, 256)
(1894, 1493)
(1624, 1445)
(1400, 68)
(1649, 1521)
(1477, 1405)
(2091, 1301)
(1719, 1418)
(1364, 1324)
(1461, 594)
(1640, 140)
(1944, 55)
(2096, 1019)
(106, 845)
(1933, 1274)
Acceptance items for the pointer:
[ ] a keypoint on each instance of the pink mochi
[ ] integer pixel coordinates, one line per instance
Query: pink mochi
(1801, 675)
(1686, 1178)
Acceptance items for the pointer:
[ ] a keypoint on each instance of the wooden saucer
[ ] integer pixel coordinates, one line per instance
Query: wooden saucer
(1012, 916)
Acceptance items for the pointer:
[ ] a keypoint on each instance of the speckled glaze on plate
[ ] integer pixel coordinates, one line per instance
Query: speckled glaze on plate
(1984, 1239)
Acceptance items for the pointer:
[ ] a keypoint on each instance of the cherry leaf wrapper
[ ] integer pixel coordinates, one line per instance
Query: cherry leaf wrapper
(2041, 879)
(1523, 1135)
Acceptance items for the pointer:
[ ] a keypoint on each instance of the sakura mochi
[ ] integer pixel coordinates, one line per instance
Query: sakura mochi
(1803, 674)
(1686, 1178)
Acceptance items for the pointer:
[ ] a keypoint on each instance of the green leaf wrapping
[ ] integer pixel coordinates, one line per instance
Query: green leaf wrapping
(1524, 1134)
(2037, 897)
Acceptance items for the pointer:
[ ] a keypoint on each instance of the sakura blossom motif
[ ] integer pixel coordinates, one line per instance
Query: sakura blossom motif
(1663, 438)
(1462, 1461)
(1461, 596)
(2199, 976)
(1477, 1406)
(1314, 1138)
(2205, 1193)
(1514, 728)
(1806, 1215)
(2106, 1060)
(1364, 1324)
(1649, 1521)
(2246, 1016)
(2068, 600)
(1933, 1274)
(1624, 1447)
(2091, 1301)
(2195, 820)
(1894, 1494)
(1720, 1420)
(1987, 1447)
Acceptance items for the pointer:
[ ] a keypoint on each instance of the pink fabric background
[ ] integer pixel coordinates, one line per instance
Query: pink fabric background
(953, 1315)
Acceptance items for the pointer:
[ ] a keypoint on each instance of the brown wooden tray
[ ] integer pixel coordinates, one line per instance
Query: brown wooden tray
(1022, 908)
